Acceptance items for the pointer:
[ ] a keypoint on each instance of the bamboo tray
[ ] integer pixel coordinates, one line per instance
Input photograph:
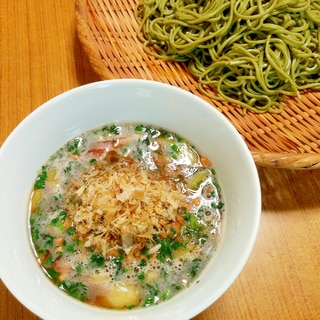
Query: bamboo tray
(107, 31)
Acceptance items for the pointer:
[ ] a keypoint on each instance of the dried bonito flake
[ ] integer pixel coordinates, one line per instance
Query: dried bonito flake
(123, 205)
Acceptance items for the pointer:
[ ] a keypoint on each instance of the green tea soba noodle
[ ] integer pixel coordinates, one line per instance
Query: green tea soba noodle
(250, 52)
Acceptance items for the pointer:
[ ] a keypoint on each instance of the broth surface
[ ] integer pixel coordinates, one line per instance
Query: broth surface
(125, 216)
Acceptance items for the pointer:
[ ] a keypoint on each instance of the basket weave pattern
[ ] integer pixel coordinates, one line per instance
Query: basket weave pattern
(107, 31)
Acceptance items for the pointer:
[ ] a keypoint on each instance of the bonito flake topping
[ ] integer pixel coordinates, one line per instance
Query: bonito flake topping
(122, 206)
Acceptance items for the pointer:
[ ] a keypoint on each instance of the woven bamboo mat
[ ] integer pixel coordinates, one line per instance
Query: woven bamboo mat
(107, 31)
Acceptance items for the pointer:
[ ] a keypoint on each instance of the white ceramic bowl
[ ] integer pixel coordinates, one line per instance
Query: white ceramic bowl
(93, 105)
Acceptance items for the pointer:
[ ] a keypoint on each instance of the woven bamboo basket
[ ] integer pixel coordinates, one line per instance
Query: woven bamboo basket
(107, 31)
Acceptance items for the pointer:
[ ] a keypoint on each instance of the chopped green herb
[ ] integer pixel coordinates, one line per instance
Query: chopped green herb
(164, 274)
(215, 182)
(151, 131)
(176, 287)
(112, 129)
(194, 269)
(194, 224)
(141, 276)
(49, 260)
(218, 205)
(35, 234)
(97, 260)
(131, 307)
(117, 263)
(138, 151)
(154, 133)
(146, 141)
(59, 220)
(40, 182)
(58, 197)
(76, 290)
(63, 215)
(166, 295)
(53, 273)
(167, 135)
(49, 240)
(168, 245)
(193, 229)
(143, 263)
(140, 128)
(202, 241)
(76, 146)
(175, 148)
(151, 295)
(179, 139)
(79, 268)
(68, 168)
(70, 247)
(54, 221)
(32, 221)
(70, 231)
(39, 212)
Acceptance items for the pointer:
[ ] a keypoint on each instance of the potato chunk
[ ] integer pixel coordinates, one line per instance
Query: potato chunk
(120, 295)
(35, 200)
(151, 276)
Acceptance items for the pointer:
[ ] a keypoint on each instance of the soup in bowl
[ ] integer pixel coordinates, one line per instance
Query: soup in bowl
(128, 199)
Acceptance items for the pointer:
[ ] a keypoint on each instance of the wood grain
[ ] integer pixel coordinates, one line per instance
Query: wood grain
(40, 57)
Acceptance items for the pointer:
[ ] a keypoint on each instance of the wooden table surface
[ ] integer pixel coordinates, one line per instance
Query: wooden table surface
(40, 57)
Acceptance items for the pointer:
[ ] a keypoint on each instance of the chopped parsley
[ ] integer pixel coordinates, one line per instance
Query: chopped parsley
(175, 149)
(48, 240)
(113, 129)
(151, 295)
(53, 273)
(143, 263)
(40, 182)
(97, 260)
(76, 290)
(195, 267)
(117, 262)
(168, 245)
(59, 220)
(76, 146)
